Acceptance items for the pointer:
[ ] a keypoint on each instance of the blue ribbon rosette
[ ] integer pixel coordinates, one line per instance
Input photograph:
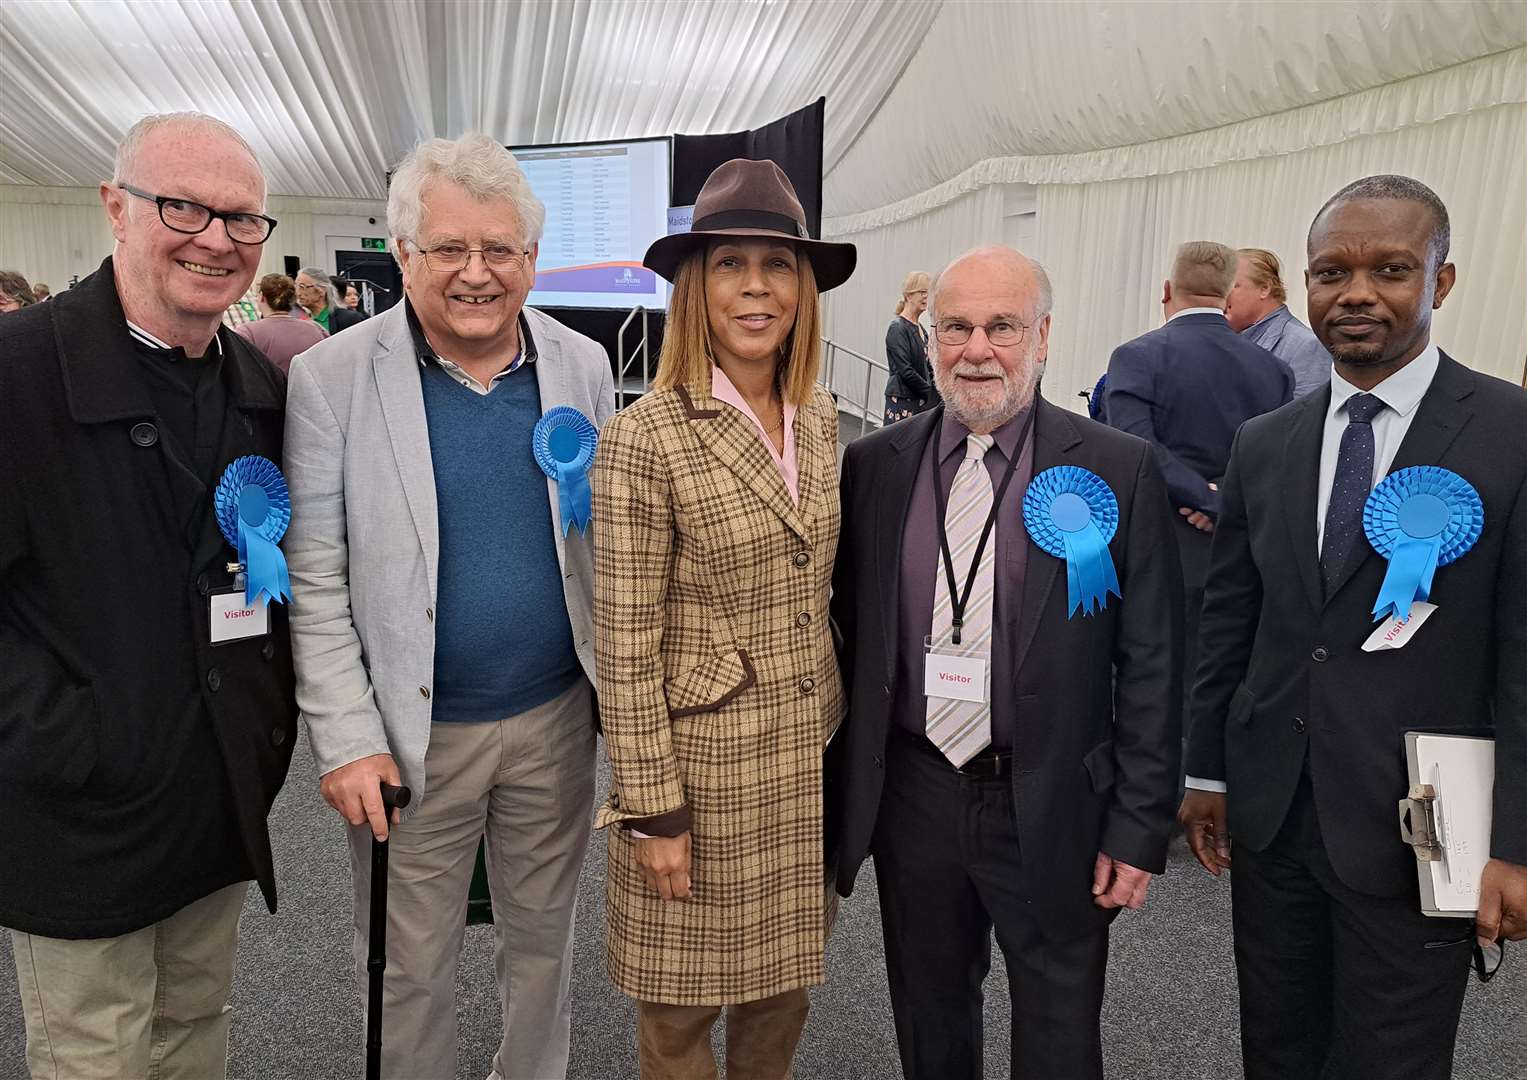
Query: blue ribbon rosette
(1072, 513)
(564, 441)
(253, 509)
(1419, 519)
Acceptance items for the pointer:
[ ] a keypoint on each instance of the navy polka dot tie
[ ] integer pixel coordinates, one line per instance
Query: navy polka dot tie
(1349, 491)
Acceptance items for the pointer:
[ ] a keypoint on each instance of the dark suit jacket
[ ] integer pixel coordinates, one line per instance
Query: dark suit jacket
(342, 318)
(137, 761)
(1184, 388)
(1281, 674)
(1096, 749)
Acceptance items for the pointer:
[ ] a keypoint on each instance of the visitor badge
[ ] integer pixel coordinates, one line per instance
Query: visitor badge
(1395, 632)
(954, 671)
(232, 619)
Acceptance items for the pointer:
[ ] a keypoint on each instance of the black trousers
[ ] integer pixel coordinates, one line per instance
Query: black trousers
(948, 867)
(1336, 984)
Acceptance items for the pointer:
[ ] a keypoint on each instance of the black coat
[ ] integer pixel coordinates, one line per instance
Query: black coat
(1097, 747)
(137, 762)
(1281, 672)
(906, 354)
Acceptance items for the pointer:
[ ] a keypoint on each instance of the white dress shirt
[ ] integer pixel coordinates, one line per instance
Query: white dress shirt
(1401, 394)
(1196, 311)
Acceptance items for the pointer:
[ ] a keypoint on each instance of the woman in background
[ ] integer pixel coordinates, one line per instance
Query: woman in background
(278, 333)
(716, 505)
(15, 292)
(909, 389)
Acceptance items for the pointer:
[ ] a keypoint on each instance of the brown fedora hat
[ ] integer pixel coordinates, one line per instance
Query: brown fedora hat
(751, 198)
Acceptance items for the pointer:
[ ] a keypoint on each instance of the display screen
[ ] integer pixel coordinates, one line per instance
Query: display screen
(605, 203)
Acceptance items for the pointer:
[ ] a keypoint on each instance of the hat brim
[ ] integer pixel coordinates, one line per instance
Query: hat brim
(831, 263)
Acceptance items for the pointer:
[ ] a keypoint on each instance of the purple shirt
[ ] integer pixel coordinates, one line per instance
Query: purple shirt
(921, 562)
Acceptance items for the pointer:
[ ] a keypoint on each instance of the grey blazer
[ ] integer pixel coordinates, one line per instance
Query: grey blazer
(363, 544)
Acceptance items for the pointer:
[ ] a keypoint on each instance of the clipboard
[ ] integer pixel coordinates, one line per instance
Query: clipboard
(1445, 817)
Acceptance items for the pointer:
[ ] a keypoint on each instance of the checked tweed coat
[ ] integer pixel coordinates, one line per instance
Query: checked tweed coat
(718, 691)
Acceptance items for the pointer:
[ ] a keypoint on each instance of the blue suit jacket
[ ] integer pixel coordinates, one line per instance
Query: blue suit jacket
(1185, 388)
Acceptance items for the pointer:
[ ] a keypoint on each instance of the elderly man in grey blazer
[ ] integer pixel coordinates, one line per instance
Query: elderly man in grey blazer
(443, 637)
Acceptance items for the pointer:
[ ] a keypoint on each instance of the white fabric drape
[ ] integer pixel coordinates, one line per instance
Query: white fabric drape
(1109, 246)
(1064, 77)
(332, 93)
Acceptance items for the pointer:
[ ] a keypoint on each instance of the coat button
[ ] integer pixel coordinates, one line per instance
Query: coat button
(808, 685)
(429, 613)
(803, 619)
(615, 800)
(886, 690)
(145, 434)
(203, 584)
(1299, 724)
(277, 736)
(214, 680)
(424, 692)
(802, 558)
(876, 759)
(268, 650)
(1320, 655)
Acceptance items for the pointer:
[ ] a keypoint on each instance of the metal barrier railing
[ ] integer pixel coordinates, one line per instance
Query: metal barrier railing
(867, 416)
(622, 365)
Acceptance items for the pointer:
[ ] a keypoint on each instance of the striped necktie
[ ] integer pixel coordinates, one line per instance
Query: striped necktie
(962, 729)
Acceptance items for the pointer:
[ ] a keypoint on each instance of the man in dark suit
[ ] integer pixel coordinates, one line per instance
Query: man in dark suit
(323, 302)
(1045, 807)
(1297, 741)
(1184, 388)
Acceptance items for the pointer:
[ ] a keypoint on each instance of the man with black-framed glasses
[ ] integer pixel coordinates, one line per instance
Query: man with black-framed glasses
(146, 707)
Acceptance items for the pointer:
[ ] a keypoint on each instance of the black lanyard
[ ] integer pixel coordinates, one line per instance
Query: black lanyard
(959, 598)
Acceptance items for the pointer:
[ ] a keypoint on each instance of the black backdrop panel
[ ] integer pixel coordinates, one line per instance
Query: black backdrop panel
(793, 142)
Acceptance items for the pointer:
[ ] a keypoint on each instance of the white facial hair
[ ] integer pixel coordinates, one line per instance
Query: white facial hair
(1016, 393)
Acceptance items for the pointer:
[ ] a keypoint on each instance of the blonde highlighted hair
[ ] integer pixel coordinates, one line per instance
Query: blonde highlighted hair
(686, 355)
(1264, 271)
(916, 281)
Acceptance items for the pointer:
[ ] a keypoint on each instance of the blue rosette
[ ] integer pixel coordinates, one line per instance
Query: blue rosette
(253, 509)
(564, 441)
(1072, 514)
(1419, 519)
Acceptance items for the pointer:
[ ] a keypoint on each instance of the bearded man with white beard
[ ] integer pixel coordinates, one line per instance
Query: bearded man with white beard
(1012, 638)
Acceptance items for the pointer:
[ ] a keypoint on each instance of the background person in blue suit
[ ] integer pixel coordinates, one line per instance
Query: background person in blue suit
(1185, 387)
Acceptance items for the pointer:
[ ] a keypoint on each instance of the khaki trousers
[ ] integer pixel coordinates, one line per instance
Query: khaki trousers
(528, 783)
(673, 1041)
(149, 1005)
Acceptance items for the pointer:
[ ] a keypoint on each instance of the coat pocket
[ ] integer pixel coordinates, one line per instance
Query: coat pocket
(710, 686)
(1100, 767)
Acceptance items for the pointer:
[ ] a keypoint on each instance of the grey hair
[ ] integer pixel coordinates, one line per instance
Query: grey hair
(321, 276)
(1044, 294)
(1392, 186)
(132, 143)
(484, 168)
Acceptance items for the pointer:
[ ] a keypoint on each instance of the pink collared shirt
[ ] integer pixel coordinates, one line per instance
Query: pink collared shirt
(721, 389)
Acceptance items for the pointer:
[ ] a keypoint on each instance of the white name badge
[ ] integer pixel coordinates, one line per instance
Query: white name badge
(1395, 633)
(231, 620)
(959, 677)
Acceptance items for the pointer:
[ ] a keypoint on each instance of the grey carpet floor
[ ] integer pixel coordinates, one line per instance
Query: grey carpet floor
(1170, 1014)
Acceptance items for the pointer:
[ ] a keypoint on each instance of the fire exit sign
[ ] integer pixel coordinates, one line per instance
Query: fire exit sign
(373, 243)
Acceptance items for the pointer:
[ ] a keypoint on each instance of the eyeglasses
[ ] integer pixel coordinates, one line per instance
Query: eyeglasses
(1003, 332)
(452, 258)
(185, 216)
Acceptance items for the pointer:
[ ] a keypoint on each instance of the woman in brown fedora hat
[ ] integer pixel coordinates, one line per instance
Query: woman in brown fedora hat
(717, 504)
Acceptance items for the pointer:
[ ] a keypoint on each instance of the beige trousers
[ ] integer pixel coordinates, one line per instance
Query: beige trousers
(528, 783)
(150, 1005)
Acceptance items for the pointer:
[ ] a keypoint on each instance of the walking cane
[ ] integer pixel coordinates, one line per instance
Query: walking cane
(376, 955)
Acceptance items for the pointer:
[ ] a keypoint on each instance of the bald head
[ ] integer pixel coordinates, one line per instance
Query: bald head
(1001, 267)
